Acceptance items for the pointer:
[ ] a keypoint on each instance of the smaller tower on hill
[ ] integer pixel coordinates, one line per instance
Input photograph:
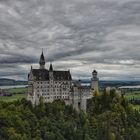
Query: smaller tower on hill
(94, 81)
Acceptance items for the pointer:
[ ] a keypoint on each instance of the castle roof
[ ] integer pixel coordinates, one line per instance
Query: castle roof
(43, 75)
(62, 75)
(94, 71)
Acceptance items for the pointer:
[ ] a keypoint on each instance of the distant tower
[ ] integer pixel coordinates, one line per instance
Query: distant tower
(42, 61)
(94, 81)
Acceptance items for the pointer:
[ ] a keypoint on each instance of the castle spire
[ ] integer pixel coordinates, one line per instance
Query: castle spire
(51, 67)
(42, 61)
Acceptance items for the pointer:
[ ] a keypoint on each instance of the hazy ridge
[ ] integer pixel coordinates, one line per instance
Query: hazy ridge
(8, 82)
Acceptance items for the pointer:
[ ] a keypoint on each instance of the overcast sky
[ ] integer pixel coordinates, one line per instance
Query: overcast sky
(80, 35)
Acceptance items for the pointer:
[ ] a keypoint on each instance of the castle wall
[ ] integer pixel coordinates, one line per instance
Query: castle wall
(49, 91)
(80, 96)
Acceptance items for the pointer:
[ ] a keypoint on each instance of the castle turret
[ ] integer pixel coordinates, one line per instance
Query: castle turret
(94, 81)
(51, 72)
(30, 75)
(30, 86)
(51, 67)
(51, 83)
(42, 61)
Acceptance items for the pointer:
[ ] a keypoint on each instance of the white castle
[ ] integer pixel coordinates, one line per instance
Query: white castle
(50, 85)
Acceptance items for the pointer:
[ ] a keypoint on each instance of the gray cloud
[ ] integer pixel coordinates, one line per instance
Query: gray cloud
(80, 35)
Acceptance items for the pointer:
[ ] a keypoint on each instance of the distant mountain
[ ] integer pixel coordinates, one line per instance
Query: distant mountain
(8, 82)
(104, 84)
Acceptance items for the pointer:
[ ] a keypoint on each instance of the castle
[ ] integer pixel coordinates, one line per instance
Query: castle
(50, 85)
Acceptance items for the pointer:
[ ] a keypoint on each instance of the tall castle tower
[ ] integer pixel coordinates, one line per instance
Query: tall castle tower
(42, 61)
(94, 81)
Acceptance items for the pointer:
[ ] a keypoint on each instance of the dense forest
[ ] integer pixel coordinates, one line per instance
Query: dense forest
(108, 117)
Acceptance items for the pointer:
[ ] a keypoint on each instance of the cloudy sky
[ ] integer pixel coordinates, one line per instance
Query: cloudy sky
(80, 35)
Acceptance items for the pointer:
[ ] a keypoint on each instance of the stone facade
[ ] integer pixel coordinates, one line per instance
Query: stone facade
(50, 85)
(80, 94)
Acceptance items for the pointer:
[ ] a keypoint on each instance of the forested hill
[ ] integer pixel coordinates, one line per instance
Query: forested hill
(109, 117)
(8, 82)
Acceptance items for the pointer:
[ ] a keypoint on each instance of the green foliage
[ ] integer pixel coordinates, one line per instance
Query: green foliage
(116, 119)
(17, 94)
(108, 117)
(12, 98)
(19, 90)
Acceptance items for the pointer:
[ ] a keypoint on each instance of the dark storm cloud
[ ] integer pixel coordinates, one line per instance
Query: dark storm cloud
(78, 34)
